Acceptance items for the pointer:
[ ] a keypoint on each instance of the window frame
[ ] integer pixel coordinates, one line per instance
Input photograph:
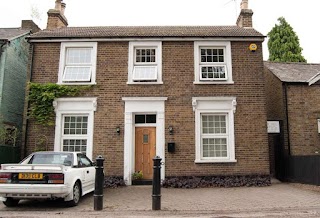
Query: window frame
(133, 45)
(226, 46)
(63, 61)
(80, 106)
(214, 106)
(213, 135)
(74, 136)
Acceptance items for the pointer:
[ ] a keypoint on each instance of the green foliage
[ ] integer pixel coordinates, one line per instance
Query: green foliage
(41, 97)
(9, 136)
(137, 175)
(284, 44)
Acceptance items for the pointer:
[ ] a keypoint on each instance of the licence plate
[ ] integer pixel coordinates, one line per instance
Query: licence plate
(31, 176)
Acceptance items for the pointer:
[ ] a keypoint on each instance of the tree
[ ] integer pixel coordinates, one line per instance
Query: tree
(284, 43)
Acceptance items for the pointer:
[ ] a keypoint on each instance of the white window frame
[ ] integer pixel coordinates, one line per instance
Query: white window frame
(74, 107)
(73, 136)
(215, 106)
(133, 45)
(226, 46)
(63, 51)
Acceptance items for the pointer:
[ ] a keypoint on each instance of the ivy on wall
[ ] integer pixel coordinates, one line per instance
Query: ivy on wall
(41, 97)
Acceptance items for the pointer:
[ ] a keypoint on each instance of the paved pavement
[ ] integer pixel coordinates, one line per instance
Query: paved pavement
(278, 200)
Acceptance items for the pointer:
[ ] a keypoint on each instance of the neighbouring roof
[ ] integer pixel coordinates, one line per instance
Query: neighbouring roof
(11, 33)
(295, 72)
(147, 31)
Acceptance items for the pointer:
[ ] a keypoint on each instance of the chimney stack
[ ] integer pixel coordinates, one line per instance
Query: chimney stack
(245, 16)
(56, 18)
(29, 25)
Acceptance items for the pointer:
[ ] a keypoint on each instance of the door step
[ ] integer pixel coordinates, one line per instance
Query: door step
(142, 182)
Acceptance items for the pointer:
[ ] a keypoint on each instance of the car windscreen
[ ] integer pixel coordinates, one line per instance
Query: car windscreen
(65, 159)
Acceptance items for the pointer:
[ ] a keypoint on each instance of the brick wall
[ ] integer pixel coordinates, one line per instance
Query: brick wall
(303, 112)
(178, 75)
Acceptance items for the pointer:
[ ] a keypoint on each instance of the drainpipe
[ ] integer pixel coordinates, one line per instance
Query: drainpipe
(287, 116)
(27, 104)
(3, 43)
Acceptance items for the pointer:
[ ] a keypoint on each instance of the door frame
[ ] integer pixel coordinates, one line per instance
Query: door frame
(142, 105)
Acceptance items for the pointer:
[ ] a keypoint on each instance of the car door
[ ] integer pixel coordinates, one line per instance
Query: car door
(88, 171)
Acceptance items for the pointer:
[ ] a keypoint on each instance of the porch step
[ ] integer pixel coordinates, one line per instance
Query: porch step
(142, 182)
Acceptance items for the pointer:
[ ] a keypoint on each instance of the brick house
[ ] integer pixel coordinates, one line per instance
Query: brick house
(14, 55)
(292, 93)
(193, 95)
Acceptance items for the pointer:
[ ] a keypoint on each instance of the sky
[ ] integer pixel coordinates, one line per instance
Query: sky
(303, 16)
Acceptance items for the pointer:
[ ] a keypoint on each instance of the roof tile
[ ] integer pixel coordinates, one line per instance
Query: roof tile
(293, 72)
(9, 33)
(147, 31)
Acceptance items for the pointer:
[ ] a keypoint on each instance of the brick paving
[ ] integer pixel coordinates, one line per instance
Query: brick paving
(278, 200)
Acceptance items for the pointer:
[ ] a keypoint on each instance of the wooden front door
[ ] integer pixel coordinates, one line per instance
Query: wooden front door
(145, 150)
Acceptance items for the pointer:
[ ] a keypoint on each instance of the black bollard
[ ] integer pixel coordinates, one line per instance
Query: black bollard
(98, 188)
(156, 185)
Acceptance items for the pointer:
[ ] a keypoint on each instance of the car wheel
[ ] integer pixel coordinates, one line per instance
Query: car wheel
(10, 202)
(76, 192)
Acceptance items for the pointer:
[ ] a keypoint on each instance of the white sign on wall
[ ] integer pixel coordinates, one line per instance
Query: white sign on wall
(273, 126)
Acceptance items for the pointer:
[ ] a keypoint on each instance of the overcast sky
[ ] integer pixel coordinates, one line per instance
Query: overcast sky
(303, 16)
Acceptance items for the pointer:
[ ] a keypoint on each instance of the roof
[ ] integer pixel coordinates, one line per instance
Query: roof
(147, 31)
(295, 72)
(11, 33)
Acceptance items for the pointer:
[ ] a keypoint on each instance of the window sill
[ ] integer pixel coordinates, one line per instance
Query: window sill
(144, 83)
(216, 82)
(216, 161)
(77, 84)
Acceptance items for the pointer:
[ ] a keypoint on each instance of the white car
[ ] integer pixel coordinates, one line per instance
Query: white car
(47, 175)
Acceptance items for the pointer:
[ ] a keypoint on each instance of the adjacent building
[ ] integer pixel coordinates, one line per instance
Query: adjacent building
(14, 59)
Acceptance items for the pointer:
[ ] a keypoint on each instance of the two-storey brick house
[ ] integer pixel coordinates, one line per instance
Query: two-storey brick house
(199, 87)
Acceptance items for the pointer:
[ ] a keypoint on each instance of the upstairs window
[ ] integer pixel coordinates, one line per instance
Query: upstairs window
(212, 62)
(78, 63)
(145, 63)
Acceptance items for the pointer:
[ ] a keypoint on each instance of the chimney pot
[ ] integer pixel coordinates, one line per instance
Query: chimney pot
(244, 4)
(63, 7)
(58, 5)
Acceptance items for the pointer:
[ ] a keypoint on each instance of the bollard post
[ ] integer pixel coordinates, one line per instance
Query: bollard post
(156, 185)
(98, 187)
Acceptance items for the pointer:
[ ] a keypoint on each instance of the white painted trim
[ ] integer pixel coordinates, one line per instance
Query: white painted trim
(140, 105)
(145, 83)
(144, 99)
(74, 106)
(64, 46)
(228, 60)
(154, 44)
(216, 83)
(314, 79)
(215, 105)
(240, 39)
